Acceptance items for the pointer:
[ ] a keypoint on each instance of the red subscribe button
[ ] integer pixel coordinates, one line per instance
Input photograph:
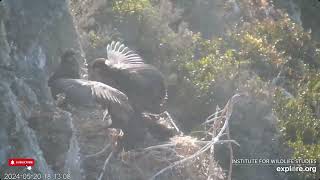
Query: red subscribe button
(21, 162)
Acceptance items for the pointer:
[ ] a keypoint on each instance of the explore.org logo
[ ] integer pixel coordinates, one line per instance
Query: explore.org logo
(281, 165)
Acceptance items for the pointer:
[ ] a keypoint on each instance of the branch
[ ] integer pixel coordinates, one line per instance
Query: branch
(159, 146)
(105, 165)
(172, 122)
(211, 163)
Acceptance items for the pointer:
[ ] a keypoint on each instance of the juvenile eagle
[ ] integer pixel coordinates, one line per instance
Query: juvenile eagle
(125, 70)
(81, 92)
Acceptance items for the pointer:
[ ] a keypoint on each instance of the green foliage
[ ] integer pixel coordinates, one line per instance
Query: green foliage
(274, 45)
(299, 118)
(283, 48)
(217, 63)
(269, 48)
(96, 40)
(248, 58)
(264, 47)
(129, 7)
(312, 89)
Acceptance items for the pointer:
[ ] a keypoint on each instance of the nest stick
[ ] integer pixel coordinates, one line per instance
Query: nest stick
(214, 129)
(231, 155)
(172, 122)
(105, 165)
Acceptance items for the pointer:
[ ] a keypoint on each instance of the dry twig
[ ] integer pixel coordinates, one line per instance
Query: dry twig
(211, 160)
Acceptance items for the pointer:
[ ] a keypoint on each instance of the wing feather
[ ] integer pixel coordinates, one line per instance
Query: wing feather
(86, 92)
(120, 54)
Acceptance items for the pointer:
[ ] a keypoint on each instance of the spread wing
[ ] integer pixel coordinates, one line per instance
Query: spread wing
(84, 92)
(120, 54)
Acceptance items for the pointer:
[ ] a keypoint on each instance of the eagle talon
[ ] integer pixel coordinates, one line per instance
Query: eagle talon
(115, 135)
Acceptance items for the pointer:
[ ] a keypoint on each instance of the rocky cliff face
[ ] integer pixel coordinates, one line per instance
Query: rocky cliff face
(33, 35)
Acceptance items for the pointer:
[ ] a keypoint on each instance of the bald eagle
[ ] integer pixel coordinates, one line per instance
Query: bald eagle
(125, 70)
(81, 92)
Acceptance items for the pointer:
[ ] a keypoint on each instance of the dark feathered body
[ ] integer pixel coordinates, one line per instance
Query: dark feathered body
(68, 68)
(143, 83)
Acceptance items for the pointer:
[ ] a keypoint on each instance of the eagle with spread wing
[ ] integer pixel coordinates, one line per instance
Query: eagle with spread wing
(81, 92)
(125, 70)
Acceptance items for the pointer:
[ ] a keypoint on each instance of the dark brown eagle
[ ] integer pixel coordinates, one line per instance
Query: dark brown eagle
(81, 92)
(125, 70)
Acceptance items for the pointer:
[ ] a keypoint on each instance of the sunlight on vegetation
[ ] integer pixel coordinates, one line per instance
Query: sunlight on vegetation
(272, 57)
(130, 6)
